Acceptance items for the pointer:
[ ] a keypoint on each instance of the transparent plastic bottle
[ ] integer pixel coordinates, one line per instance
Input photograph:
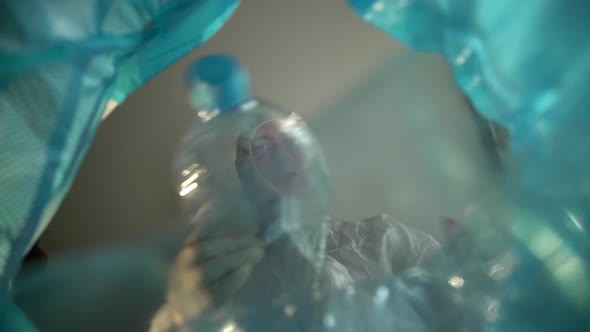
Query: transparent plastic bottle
(501, 58)
(233, 134)
(248, 168)
(224, 109)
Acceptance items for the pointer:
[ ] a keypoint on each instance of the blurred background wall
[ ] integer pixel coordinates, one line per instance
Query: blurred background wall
(399, 137)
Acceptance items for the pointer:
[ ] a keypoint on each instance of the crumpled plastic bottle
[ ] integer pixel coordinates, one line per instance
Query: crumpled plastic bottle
(237, 140)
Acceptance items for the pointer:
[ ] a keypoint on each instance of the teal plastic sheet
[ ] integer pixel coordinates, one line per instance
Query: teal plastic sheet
(63, 66)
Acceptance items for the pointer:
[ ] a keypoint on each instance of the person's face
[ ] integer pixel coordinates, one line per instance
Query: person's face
(278, 149)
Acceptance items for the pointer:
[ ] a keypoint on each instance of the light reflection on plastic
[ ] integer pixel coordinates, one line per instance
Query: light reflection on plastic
(188, 185)
(497, 271)
(329, 321)
(230, 327)
(456, 281)
(575, 220)
(208, 115)
(475, 81)
(290, 121)
(492, 312)
(249, 105)
(190, 169)
(190, 180)
(381, 296)
(189, 189)
(290, 310)
(378, 6)
(109, 108)
(463, 56)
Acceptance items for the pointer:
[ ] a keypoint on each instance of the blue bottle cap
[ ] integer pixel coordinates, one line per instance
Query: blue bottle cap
(226, 76)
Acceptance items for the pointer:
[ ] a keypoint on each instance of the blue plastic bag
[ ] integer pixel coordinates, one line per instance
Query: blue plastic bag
(524, 65)
(63, 65)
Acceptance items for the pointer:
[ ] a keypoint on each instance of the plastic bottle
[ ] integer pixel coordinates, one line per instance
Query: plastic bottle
(247, 167)
(228, 146)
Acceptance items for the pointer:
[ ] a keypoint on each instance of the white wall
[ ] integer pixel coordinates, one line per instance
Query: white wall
(403, 142)
(319, 59)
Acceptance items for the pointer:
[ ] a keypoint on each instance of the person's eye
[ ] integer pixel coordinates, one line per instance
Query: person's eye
(261, 147)
(264, 147)
(242, 151)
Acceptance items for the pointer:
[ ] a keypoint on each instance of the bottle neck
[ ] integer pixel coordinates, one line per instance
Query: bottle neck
(206, 114)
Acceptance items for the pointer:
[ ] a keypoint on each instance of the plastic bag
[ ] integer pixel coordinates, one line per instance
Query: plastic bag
(528, 76)
(63, 66)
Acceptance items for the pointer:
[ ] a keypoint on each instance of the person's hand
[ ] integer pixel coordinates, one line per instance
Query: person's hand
(209, 271)
(213, 266)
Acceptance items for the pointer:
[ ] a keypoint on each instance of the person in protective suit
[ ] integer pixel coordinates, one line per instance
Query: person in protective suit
(296, 247)
(278, 173)
(294, 252)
